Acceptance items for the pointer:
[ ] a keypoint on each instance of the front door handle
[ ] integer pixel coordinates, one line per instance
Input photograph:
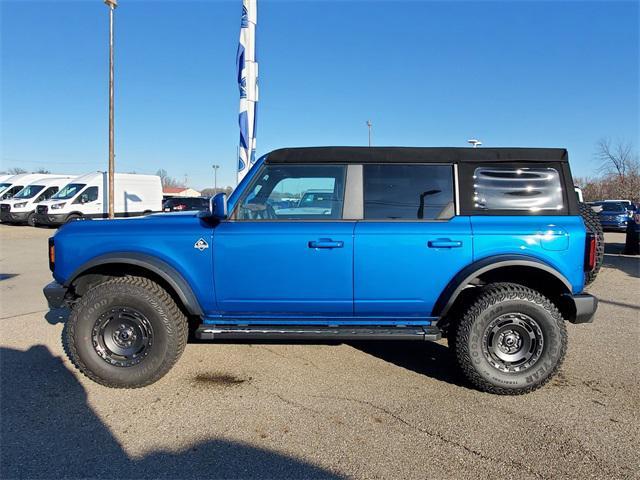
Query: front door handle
(444, 243)
(325, 243)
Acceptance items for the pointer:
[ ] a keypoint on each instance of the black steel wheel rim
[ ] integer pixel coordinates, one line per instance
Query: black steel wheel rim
(513, 342)
(122, 336)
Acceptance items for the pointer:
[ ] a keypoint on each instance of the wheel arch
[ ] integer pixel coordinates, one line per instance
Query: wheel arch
(112, 265)
(521, 269)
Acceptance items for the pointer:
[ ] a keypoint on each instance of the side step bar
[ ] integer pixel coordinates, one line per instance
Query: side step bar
(341, 333)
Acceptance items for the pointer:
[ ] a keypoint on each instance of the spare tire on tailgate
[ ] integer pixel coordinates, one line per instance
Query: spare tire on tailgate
(592, 222)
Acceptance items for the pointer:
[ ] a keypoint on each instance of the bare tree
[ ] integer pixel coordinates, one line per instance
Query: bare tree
(168, 181)
(43, 171)
(16, 171)
(619, 173)
(616, 159)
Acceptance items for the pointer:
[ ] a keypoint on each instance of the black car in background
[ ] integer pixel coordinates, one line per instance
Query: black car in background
(183, 204)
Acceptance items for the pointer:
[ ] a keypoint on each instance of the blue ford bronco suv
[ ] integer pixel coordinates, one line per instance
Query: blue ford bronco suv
(487, 247)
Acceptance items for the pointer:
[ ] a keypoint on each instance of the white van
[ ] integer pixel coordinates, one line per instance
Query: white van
(21, 208)
(15, 183)
(87, 197)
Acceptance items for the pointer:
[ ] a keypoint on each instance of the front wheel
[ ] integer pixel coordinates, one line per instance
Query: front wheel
(125, 333)
(511, 341)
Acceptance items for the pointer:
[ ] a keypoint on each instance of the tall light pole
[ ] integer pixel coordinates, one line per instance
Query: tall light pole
(369, 125)
(112, 4)
(215, 178)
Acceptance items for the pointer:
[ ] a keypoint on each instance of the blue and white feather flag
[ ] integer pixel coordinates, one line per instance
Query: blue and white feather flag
(248, 83)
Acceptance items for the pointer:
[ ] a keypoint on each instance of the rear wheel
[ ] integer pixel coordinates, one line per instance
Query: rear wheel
(592, 222)
(511, 341)
(125, 333)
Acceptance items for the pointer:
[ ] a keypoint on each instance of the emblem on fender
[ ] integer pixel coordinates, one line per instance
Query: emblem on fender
(201, 245)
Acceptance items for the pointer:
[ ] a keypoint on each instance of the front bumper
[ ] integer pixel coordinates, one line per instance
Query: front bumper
(586, 306)
(14, 217)
(55, 295)
(50, 219)
(614, 225)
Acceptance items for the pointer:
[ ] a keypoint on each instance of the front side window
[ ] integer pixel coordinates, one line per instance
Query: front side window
(68, 192)
(10, 192)
(46, 195)
(518, 189)
(89, 195)
(29, 191)
(408, 192)
(294, 192)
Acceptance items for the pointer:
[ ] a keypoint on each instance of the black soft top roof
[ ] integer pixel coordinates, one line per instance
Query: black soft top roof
(415, 155)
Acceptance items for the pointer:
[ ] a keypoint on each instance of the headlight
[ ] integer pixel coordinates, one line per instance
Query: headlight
(57, 206)
(20, 205)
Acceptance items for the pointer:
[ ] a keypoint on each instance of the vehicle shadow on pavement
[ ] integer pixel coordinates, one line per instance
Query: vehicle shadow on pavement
(48, 430)
(426, 358)
(626, 264)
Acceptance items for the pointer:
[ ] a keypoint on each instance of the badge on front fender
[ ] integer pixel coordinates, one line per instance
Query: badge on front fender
(201, 245)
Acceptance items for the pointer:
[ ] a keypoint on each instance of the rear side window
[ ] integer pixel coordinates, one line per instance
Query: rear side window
(408, 192)
(517, 189)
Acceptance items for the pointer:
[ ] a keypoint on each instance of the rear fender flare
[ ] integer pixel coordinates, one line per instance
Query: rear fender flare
(453, 289)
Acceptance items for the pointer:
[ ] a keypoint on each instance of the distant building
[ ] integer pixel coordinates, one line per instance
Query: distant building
(180, 192)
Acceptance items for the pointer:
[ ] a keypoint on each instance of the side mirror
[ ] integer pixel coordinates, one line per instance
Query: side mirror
(218, 206)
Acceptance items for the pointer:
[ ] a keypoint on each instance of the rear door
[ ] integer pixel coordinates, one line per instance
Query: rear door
(410, 243)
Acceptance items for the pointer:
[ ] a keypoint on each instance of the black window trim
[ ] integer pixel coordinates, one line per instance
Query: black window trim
(233, 216)
(466, 203)
(454, 186)
(354, 196)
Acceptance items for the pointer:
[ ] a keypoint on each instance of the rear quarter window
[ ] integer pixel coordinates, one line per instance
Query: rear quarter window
(515, 190)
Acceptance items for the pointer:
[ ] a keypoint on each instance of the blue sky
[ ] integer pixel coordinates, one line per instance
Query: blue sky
(511, 73)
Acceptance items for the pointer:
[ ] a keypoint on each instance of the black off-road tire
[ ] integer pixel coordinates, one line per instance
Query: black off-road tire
(502, 301)
(592, 222)
(167, 329)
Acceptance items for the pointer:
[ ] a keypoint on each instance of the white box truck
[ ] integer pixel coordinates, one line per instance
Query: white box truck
(21, 208)
(87, 196)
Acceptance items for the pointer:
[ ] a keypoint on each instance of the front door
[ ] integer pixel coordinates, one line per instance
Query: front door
(285, 251)
(410, 243)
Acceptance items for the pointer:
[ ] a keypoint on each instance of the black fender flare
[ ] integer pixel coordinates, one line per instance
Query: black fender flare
(484, 265)
(161, 268)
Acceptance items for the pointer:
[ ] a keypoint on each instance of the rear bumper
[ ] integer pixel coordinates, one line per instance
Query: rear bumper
(586, 306)
(55, 295)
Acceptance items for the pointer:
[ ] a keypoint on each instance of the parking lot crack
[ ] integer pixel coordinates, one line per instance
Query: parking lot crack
(508, 462)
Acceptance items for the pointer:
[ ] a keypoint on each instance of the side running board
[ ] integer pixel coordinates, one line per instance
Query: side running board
(341, 333)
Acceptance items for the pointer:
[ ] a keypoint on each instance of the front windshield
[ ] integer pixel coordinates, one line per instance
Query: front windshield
(29, 191)
(68, 192)
(4, 186)
(613, 207)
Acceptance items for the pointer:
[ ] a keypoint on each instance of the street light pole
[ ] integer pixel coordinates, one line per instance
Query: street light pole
(369, 125)
(112, 4)
(215, 178)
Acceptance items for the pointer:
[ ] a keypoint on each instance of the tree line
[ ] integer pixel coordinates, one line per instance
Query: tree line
(618, 173)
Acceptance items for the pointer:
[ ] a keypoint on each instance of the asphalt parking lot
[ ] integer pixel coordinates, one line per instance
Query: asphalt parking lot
(314, 411)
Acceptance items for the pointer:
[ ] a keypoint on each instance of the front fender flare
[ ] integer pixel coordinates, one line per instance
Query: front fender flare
(161, 268)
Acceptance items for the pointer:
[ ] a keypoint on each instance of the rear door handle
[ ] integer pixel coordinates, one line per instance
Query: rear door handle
(325, 243)
(444, 243)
